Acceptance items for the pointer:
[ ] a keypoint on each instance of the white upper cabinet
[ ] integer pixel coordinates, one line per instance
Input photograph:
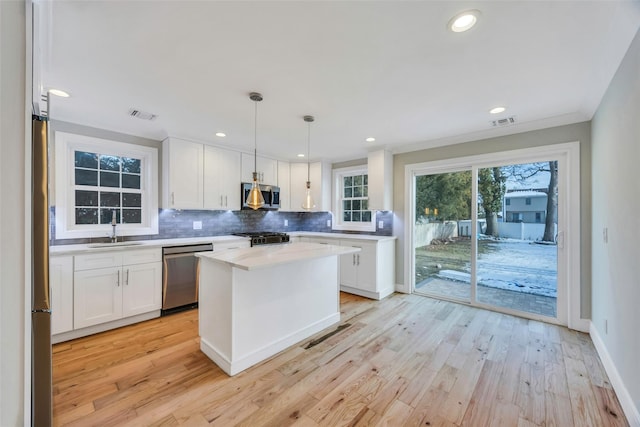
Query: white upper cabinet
(267, 169)
(380, 170)
(284, 182)
(297, 186)
(199, 176)
(320, 177)
(221, 178)
(182, 177)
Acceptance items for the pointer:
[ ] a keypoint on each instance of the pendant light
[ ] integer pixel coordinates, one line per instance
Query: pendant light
(308, 204)
(255, 199)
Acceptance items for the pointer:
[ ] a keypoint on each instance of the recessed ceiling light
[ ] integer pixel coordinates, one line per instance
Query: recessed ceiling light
(58, 92)
(300, 155)
(221, 134)
(463, 21)
(370, 139)
(497, 110)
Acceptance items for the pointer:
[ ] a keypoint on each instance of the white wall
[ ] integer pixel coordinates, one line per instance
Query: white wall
(616, 204)
(12, 216)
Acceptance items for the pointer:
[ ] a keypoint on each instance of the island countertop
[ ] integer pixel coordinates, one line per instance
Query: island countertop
(269, 255)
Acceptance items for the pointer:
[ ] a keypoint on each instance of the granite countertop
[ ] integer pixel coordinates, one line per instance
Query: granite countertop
(267, 256)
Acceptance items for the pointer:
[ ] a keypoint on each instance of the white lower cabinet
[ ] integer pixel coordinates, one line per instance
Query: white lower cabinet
(97, 296)
(114, 285)
(61, 291)
(358, 270)
(370, 272)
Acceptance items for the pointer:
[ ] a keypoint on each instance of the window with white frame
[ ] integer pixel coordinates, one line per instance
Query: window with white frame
(351, 201)
(99, 181)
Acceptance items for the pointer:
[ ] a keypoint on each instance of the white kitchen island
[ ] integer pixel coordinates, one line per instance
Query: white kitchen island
(255, 302)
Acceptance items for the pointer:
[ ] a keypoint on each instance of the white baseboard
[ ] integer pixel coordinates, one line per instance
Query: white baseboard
(629, 408)
(368, 294)
(402, 288)
(582, 325)
(232, 367)
(90, 330)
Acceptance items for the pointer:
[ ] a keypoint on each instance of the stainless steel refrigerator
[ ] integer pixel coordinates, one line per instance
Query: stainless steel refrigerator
(41, 388)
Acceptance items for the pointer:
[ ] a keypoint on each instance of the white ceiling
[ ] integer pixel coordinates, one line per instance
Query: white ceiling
(388, 69)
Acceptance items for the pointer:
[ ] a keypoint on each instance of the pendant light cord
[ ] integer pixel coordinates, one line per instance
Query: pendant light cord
(308, 151)
(255, 137)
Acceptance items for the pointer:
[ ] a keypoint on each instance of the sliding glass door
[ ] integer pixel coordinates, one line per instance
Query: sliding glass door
(442, 236)
(517, 263)
(487, 234)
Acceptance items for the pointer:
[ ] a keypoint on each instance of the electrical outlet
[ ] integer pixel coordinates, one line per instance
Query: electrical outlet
(380, 224)
(197, 225)
(286, 222)
(328, 223)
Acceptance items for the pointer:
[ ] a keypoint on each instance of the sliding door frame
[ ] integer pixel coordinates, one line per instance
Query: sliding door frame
(568, 156)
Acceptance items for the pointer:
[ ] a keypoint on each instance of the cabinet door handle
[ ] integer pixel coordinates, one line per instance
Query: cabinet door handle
(353, 262)
(118, 281)
(173, 198)
(221, 204)
(358, 258)
(127, 282)
(225, 201)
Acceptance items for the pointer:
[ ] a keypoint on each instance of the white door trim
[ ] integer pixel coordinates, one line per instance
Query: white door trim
(568, 155)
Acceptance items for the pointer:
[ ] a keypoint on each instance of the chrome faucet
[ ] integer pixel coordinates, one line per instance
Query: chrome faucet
(114, 237)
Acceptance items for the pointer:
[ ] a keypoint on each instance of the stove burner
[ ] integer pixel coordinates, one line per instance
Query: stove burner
(265, 237)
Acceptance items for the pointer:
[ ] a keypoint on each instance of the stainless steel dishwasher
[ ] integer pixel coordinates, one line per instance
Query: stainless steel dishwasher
(180, 277)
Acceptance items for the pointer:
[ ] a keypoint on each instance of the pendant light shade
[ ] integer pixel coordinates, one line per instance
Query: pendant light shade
(255, 199)
(307, 203)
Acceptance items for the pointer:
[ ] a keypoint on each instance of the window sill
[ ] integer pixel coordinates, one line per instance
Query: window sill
(353, 227)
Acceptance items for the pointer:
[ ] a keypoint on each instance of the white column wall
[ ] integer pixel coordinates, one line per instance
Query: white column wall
(616, 206)
(13, 362)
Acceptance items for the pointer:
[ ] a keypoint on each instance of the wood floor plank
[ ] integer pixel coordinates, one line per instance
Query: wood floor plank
(480, 407)
(405, 360)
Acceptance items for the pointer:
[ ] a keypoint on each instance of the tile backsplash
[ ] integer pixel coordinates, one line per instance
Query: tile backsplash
(179, 223)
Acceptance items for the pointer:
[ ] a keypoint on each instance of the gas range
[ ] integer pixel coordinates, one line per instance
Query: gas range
(265, 237)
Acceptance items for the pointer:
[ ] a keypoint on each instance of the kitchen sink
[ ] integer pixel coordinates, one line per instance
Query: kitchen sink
(109, 244)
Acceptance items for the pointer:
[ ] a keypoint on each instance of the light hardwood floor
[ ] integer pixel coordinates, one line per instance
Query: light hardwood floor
(406, 360)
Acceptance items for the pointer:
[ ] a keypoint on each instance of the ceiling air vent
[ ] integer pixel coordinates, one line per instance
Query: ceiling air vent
(142, 114)
(503, 122)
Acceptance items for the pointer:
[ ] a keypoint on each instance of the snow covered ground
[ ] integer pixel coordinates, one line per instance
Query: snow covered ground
(514, 265)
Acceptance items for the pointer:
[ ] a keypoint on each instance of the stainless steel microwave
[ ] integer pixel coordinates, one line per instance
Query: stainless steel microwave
(270, 193)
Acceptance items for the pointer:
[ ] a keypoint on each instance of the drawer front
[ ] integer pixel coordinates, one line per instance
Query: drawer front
(97, 260)
(141, 256)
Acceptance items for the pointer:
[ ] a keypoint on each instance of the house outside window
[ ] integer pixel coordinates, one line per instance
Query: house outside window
(527, 201)
(507, 202)
(351, 201)
(538, 217)
(107, 185)
(98, 179)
